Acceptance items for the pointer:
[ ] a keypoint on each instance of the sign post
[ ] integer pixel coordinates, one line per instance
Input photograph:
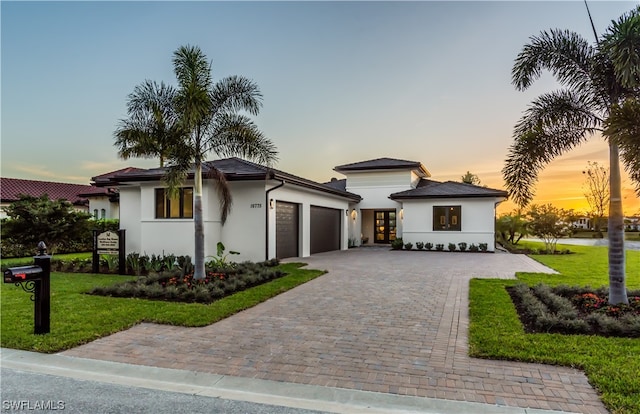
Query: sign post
(109, 243)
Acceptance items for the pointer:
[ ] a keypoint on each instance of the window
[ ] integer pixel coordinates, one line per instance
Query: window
(103, 213)
(447, 218)
(95, 213)
(178, 206)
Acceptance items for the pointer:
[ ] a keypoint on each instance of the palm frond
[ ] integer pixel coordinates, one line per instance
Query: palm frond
(180, 162)
(222, 189)
(621, 43)
(193, 73)
(236, 93)
(564, 53)
(236, 135)
(623, 128)
(553, 124)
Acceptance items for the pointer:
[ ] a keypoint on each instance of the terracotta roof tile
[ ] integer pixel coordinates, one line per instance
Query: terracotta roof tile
(11, 188)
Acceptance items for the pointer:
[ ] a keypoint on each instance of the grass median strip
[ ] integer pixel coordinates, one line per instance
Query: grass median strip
(78, 318)
(611, 364)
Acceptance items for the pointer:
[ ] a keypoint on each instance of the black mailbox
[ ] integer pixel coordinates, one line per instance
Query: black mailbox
(22, 274)
(35, 279)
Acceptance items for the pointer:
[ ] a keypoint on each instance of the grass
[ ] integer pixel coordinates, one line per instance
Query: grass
(25, 261)
(611, 364)
(78, 318)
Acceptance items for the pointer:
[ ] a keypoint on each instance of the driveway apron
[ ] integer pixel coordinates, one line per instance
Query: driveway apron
(381, 321)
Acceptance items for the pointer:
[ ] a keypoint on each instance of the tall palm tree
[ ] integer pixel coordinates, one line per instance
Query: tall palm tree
(561, 120)
(152, 126)
(209, 117)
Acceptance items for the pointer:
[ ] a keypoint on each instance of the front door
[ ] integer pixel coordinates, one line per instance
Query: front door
(385, 227)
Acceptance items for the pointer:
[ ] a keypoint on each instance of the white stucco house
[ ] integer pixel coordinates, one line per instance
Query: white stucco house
(276, 214)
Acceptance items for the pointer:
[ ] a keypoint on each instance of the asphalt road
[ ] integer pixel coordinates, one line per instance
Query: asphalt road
(33, 392)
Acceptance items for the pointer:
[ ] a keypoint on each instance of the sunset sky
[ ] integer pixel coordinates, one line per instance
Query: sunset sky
(342, 81)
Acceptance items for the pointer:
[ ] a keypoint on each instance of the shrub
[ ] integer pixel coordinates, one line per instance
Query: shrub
(575, 310)
(483, 247)
(397, 244)
(452, 247)
(175, 285)
(428, 245)
(408, 246)
(462, 246)
(439, 247)
(473, 247)
(419, 245)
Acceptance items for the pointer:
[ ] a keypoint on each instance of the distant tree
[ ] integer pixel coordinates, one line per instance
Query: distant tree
(597, 193)
(549, 223)
(595, 99)
(34, 219)
(470, 178)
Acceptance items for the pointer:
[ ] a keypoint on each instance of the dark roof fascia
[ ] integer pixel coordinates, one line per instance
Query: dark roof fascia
(287, 178)
(424, 197)
(403, 165)
(267, 173)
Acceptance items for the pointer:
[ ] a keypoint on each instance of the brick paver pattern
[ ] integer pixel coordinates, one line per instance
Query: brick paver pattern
(391, 322)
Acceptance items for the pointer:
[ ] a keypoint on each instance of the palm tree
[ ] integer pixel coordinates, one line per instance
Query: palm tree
(559, 121)
(152, 127)
(209, 117)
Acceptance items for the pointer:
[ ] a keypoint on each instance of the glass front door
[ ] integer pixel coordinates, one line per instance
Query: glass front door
(385, 226)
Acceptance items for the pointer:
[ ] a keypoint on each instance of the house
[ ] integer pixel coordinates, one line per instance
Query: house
(77, 194)
(105, 204)
(583, 223)
(277, 214)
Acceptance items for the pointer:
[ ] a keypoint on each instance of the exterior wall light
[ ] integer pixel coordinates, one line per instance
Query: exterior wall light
(354, 214)
(272, 204)
(401, 213)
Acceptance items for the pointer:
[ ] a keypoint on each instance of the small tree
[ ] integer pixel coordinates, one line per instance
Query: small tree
(470, 178)
(549, 224)
(32, 219)
(597, 193)
(512, 227)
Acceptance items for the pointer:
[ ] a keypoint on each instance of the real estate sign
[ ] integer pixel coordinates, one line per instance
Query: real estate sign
(108, 243)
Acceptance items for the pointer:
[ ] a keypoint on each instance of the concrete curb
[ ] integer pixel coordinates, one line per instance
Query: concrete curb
(335, 400)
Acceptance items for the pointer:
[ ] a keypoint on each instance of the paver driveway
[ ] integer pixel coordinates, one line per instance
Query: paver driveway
(392, 322)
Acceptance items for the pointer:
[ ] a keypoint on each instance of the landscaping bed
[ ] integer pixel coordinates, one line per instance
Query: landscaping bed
(575, 310)
(178, 286)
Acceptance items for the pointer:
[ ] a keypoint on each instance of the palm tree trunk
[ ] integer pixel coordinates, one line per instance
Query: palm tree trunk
(617, 288)
(198, 223)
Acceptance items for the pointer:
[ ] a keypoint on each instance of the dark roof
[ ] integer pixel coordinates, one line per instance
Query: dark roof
(234, 169)
(448, 189)
(11, 188)
(383, 164)
(337, 184)
(105, 179)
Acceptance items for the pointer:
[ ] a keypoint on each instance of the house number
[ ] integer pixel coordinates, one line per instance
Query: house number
(256, 205)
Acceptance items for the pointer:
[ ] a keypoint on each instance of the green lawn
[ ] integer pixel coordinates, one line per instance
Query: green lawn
(77, 318)
(611, 364)
(25, 261)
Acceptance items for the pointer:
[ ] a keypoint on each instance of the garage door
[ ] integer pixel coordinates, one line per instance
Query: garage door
(325, 229)
(286, 230)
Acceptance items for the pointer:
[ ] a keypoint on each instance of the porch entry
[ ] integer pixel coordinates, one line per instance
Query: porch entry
(384, 231)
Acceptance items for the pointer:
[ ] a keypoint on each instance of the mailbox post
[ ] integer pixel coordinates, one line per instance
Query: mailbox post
(35, 279)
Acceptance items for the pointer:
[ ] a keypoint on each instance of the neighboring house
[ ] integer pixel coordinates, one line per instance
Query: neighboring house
(584, 223)
(276, 214)
(632, 223)
(106, 203)
(12, 188)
